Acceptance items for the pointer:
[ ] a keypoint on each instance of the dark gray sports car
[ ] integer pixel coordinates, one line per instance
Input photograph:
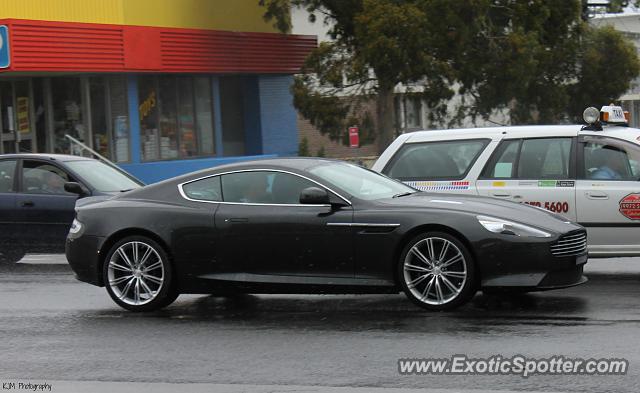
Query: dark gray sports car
(304, 225)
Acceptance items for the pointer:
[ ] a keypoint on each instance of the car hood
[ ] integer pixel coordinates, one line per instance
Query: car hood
(486, 206)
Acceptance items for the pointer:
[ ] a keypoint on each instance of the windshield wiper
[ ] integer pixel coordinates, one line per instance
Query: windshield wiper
(128, 189)
(404, 194)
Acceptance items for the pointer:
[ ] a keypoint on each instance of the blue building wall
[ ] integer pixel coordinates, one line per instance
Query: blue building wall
(270, 128)
(278, 117)
(151, 172)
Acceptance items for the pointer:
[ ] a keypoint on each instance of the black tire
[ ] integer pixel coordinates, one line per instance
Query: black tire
(465, 288)
(11, 256)
(164, 294)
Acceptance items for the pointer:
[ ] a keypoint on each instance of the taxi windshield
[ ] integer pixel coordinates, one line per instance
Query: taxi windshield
(360, 182)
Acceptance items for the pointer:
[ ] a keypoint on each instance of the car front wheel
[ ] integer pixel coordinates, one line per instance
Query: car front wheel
(436, 271)
(138, 275)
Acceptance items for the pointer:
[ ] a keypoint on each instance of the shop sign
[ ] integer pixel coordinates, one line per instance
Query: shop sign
(4, 47)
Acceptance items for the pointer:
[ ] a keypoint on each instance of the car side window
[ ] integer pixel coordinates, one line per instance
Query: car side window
(502, 164)
(435, 160)
(263, 187)
(7, 173)
(544, 158)
(208, 189)
(43, 178)
(610, 159)
(534, 158)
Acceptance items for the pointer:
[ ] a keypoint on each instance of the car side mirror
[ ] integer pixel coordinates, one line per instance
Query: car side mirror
(75, 188)
(314, 196)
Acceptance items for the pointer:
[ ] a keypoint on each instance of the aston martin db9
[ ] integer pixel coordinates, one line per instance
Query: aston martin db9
(303, 225)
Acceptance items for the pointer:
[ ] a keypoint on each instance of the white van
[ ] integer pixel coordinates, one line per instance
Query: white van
(590, 174)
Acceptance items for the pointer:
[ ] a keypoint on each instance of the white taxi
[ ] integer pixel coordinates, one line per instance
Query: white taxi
(589, 174)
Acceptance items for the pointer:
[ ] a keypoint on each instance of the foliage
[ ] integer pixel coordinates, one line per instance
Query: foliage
(538, 60)
(303, 148)
(321, 152)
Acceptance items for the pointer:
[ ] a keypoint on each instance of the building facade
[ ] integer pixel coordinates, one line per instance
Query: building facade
(161, 87)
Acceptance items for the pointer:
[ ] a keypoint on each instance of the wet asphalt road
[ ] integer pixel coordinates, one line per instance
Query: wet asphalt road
(53, 328)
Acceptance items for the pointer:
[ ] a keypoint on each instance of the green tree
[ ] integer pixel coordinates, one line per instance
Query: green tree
(303, 148)
(537, 59)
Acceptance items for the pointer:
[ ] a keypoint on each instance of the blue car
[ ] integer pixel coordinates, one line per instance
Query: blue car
(38, 193)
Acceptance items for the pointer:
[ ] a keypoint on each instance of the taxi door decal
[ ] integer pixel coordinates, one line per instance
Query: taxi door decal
(630, 206)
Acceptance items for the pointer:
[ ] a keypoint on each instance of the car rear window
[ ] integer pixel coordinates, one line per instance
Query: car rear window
(435, 160)
(207, 189)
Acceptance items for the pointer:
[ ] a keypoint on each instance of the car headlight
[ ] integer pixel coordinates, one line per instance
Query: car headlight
(76, 226)
(506, 227)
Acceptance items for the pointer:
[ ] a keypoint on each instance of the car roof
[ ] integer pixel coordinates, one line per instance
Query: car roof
(489, 132)
(616, 131)
(53, 157)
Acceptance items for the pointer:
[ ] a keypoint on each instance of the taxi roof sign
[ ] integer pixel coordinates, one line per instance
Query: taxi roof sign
(613, 114)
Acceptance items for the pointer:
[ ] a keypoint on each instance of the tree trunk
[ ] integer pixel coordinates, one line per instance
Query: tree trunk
(385, 117)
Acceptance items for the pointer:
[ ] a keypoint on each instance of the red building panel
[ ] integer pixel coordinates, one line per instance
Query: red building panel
(85, 47)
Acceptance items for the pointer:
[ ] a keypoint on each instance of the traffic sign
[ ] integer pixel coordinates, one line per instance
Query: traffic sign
(354, 137)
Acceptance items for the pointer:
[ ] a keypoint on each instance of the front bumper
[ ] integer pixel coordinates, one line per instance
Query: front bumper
(528, 266)
(83, 254)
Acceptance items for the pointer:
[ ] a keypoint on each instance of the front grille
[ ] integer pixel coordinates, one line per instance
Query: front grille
(572, 244)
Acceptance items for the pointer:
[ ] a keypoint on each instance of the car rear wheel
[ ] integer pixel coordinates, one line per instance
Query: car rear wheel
(436, 271)
(11, 256)
(138, 275)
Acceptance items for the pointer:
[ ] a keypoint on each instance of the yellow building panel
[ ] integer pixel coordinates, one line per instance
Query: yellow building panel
(90, 11)
(233, 15)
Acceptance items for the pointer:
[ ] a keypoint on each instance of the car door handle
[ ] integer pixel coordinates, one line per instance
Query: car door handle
(500, 194)
(27, 204)
(237, 219)
(596, 195)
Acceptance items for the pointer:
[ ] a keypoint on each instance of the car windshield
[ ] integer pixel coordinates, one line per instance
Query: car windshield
(360, 182)
(102, 177)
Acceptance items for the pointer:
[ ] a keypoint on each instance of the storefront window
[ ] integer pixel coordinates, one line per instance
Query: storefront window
(39, 114)
(119, 117)
(232, 108)
(67, 113)
(7, 119)
(99, 127)
(168, 118)
(148, 108)
(204, 116)
(185, 117)
(181, 107)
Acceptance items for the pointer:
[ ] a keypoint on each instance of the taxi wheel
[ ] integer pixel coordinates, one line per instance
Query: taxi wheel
(11, 256)
(436, 271)
(138, 275)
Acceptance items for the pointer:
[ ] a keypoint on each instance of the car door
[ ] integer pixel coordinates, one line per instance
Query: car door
(608, 194)
(8, 185)
(264, 230)
(536, 171)
(44, 210)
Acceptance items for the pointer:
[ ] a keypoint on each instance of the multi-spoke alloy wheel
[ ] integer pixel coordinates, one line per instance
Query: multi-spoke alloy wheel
(137, 274)
(436, 271)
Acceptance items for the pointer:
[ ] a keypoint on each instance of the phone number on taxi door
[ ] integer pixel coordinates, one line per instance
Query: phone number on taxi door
(556, 207)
